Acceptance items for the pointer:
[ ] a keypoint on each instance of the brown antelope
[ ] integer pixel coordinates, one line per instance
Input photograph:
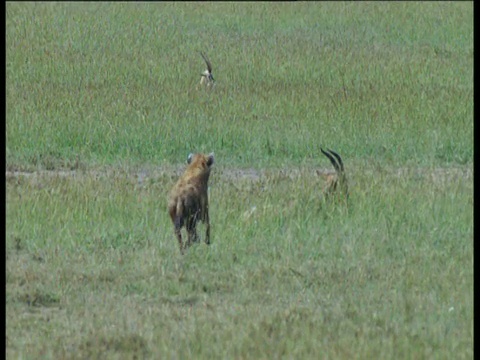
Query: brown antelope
(207, 76)
(335, 183)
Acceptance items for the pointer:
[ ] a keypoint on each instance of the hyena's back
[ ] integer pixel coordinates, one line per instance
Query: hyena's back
(182, 204)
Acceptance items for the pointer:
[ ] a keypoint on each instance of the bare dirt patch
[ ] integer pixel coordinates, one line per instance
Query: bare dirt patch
(249, 174)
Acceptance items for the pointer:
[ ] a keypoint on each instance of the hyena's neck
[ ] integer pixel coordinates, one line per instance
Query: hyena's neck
(199, 176)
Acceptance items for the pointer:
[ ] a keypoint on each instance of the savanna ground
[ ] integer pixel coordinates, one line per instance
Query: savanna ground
(102, 108)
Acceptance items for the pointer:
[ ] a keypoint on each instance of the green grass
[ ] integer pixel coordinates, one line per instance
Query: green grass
(93, 265)
(117, 83)
(93, 269)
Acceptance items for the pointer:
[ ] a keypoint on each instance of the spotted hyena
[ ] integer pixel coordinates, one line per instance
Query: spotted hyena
(188, 201)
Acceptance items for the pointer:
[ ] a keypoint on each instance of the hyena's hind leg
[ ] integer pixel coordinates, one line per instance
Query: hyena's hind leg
(191, 225)
(178, 223)
(175, 211)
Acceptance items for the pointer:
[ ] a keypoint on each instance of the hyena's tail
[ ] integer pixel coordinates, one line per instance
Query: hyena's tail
(178, 217)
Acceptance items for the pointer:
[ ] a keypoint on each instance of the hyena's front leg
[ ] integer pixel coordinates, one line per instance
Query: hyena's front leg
(207, 226)
(205, 219)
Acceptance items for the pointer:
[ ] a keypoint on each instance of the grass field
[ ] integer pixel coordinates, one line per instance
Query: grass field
(102, 109)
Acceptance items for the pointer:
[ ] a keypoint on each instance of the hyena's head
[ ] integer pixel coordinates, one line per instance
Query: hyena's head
(200, 164)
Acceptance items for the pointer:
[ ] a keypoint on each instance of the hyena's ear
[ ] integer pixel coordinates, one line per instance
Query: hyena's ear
(210, 159)
(189, 158)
